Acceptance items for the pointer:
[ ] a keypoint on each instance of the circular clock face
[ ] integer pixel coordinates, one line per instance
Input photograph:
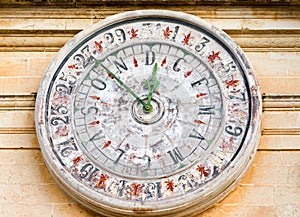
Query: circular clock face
(149, 113)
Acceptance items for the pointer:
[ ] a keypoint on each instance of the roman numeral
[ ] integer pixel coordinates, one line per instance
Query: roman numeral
(98, 84)
(150, 58)
(199, 82)
(121, 64)
(175, 155)
(206, 110)
(195, 134)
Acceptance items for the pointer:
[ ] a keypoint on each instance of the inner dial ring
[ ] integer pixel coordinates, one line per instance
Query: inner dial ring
(182, 128)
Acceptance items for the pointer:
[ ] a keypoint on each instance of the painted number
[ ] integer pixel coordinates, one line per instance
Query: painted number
(234, 131)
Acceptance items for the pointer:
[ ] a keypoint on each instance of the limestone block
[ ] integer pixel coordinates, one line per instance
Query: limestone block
(291, 158)
(294, 65)
(280, 142)
(258, 195)
(288, 194)
(26, 156)
(293, 178)
(40, 194)
(264, 65)
(26, 210)
(266, 176)
(5, 169)
(12, 66)
(268, 158)
(26, 174)
(274, 85)
(16, 119)
(19, 85)
(288, 120)
(222, 210)
(62, 210)
(18, 140)
(10, 193)
(264, 211)
(285, 210)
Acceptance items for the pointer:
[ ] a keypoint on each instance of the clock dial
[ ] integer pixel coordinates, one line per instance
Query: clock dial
(143, 110)
(120, 136)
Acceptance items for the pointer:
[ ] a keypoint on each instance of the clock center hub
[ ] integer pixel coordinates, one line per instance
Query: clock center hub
(141, 116)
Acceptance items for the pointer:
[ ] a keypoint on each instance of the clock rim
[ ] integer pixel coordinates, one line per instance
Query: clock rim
(249, 74)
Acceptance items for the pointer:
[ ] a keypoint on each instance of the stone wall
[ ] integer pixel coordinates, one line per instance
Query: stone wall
(32, 32)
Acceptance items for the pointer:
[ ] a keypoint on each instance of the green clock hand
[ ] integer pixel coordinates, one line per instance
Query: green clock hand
(123, 85)
(152, 84)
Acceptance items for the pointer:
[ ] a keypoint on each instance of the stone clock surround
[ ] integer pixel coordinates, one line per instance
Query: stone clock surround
(92, 184)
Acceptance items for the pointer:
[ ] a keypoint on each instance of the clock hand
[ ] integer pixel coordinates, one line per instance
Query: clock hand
(98, 62)
(152, 84)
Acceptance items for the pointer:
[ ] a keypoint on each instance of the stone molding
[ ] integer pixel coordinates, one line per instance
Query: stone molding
(48, 29)
(271, 102)
(272, 105)
(85, 3)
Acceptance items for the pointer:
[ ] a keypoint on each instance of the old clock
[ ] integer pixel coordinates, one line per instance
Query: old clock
(150, 112)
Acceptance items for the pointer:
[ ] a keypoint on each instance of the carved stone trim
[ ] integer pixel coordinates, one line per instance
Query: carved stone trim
(17, 102)
(281, 103)
(85, 3)
(17, 130)
(271, 102)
